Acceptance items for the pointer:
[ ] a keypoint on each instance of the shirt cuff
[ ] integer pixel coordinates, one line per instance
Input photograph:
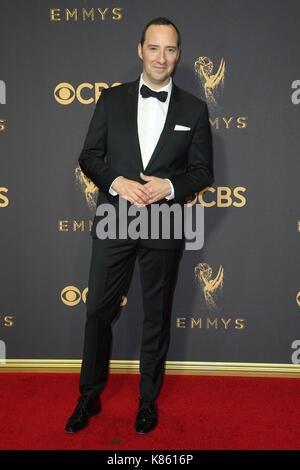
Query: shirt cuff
(172, 195)
(111, 190)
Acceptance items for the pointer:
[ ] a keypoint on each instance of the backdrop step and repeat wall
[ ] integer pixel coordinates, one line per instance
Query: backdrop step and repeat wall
(238, 298)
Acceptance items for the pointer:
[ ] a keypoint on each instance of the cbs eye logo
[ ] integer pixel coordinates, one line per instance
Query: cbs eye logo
(64, 93)
(71, 296)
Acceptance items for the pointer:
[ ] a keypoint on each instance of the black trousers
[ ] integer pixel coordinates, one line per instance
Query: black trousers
(111, 269)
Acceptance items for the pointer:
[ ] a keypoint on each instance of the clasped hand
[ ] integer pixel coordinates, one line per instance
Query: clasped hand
(153, 190)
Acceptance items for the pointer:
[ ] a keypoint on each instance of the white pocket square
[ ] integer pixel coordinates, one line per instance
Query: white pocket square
(178, 127)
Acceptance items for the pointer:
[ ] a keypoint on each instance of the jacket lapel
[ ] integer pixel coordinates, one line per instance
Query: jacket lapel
(167, 129)
(132, 122)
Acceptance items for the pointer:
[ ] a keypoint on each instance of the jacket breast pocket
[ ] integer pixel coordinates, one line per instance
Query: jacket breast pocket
(181, 139)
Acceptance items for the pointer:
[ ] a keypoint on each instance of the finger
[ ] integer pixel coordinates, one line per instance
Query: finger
(147, 189)
(135, 203)
(145, 177)
(128, 198)
(139, 204)
(142, 200)
(144, 189)
(155, 198)
(142, 195)
(145, 195)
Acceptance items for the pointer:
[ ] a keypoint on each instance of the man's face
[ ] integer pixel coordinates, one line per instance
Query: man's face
(159, 54)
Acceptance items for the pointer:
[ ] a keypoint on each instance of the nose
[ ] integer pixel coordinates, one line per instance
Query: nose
(162, 59)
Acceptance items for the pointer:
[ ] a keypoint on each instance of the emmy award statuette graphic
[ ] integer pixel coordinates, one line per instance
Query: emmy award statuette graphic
(211, 83)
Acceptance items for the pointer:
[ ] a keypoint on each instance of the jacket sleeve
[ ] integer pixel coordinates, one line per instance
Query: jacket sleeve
(92, 157)
(199, 172)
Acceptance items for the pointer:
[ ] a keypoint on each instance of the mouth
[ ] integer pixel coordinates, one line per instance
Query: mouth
(159, 67)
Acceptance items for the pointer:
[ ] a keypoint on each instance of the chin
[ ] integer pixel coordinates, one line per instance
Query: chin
(161, 77)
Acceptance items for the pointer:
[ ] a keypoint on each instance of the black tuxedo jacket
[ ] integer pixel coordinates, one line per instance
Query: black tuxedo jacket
(111, 147)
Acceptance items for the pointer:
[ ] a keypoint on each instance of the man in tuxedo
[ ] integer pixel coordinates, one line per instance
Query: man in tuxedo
(148, 143)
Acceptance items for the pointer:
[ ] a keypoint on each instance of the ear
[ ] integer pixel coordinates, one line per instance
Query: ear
(178, 53)
(140, 51)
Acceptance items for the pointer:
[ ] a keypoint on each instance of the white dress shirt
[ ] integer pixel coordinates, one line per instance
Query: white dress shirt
(151, 117)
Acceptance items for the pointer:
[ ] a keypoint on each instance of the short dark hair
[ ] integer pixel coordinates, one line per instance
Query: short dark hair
(161, 21)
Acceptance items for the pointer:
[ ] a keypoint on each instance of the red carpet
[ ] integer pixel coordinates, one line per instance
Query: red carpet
(195, 412)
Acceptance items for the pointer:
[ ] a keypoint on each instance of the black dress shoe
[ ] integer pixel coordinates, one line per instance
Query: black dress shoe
(85, 408)
(146, 419)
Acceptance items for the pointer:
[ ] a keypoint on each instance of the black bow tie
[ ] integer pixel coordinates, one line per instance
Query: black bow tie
(160, 95)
